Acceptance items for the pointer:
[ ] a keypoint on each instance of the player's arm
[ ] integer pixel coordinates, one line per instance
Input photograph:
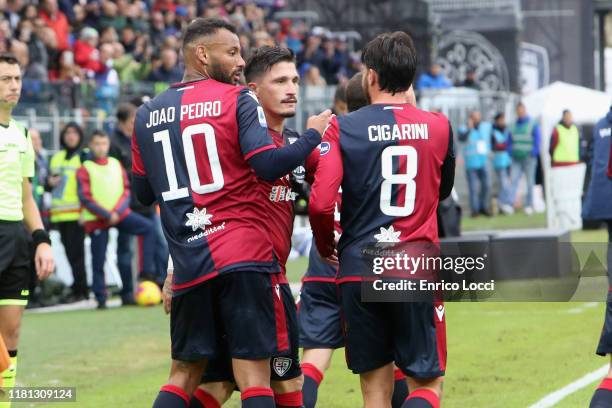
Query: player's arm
(43, 257)
(323, 194)
(268, 161)
(140, 184)
(312, 161)
(447, 179)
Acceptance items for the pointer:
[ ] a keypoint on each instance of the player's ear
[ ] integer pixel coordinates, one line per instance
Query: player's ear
(372, 77)
(201, 54)
(253, 87)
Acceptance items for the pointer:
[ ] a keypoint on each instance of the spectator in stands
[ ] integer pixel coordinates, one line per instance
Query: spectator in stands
(470, 80)
(108, 35)
(107, 80)
(525, 149)
(262, 38)
(565, 142)
(169, 71)
(433, 79)
(67, 69)
(65, 206)
(27, 34)
(477, 138)
(128, 68)
(312, 52)
(111, 17)
(33, 72)
(157, 32)
(86, 53)
(500, 143)
(57, 21)
(312, 76)
(104, 192)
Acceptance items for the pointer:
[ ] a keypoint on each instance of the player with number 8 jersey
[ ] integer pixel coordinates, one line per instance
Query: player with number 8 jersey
(394, 163)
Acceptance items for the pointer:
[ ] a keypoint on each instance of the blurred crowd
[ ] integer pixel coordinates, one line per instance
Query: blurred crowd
(105, 43)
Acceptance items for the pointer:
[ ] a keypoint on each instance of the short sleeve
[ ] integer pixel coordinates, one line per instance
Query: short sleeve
(28, 159)
(252, 127)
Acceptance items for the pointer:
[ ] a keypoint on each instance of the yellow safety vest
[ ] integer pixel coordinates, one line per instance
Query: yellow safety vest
(568, 145)
(106, 183)
(65, 205)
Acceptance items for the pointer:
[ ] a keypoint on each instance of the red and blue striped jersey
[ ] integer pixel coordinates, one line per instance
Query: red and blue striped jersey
(389, 161)
(192, 143)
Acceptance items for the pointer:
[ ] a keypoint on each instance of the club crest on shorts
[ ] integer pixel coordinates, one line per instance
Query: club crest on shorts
(281, 365)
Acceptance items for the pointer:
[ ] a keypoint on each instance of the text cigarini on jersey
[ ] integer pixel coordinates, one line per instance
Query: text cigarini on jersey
(406, 131)
(208, 109)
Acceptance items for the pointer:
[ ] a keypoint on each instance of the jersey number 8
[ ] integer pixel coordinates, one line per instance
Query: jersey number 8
(406, 179)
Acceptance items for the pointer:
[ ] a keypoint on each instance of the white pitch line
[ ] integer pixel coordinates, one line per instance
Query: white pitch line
(582, 308)
(553, 398)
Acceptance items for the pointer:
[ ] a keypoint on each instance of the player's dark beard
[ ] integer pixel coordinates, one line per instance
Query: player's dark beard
(217, 73)
(288, 114)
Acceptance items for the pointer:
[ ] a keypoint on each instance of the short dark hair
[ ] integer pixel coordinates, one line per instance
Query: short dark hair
(355, 95)
(264, 58)
(201, 27)
(8, 58)
(125, 110)
(99, 133)
(394, 58)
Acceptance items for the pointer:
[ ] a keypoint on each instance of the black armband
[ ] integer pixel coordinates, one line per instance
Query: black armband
(40, 236)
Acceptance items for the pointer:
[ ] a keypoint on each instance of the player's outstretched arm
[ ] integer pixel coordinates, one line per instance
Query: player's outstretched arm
(275, 163)
(324, 192)
(447, 179)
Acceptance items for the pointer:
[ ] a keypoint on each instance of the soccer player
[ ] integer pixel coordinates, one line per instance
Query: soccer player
(597, 207)
(319, 313)
(272, 75)
(18, 213)
(196, 150)
(390, 188)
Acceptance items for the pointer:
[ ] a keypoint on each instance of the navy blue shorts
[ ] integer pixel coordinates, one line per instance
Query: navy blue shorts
(284, 365)
(242, 309)
(411, 334)
(319, 316)
(605, 341)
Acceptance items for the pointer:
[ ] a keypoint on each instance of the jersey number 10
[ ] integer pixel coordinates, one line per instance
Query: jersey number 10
(201, 129)
(406, 179)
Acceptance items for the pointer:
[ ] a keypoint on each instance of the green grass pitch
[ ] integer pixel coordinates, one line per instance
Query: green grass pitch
(499, 354)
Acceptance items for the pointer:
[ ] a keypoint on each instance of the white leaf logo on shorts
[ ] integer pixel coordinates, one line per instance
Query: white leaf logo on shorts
(440, 312)
(281, 365)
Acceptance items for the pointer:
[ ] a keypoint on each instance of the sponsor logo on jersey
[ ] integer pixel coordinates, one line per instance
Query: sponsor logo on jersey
(198, 219)
(282, 193)
(299, 174)
(388, 235)
(605, 132)
(281, 365)
(262, 117)
(325, 148)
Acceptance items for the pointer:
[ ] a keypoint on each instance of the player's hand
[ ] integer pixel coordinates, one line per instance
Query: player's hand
(167, 294)
(319, 122)
(332, 259)
(114, 219)
(43, 260)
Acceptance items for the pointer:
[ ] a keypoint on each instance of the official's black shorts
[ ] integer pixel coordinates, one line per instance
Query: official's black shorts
(605, 341)
(319, 316)
(243, 309)
(411, 334)
(15, 263)
(284, 365)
